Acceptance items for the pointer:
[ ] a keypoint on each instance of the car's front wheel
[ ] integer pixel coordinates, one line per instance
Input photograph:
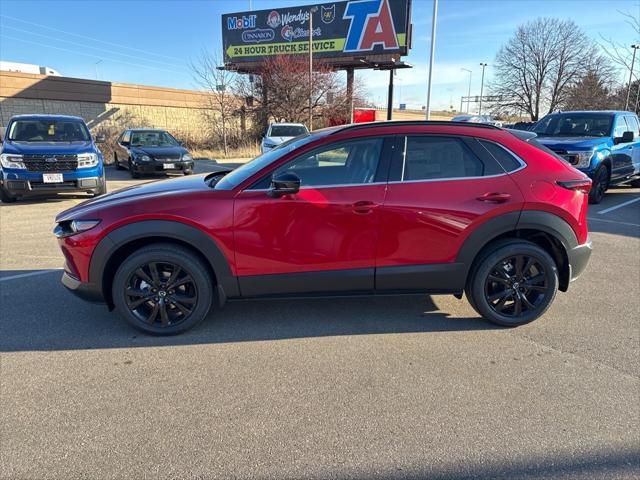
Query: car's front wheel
(599, 186)
(163, 289)
(514, 284)
(5, 197)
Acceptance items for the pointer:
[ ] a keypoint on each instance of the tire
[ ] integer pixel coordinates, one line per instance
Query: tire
(187, 172)
(115, 160)
(508, 290)
(165, 310)
(635, 183)
(599, 186)
(5, 197)
(102, 190)
(133, 173)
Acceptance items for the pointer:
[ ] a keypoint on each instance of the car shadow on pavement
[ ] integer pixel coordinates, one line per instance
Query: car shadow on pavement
(39, 314)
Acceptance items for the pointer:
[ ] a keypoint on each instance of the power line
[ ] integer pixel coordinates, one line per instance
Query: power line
(90, 54)
(89, 38)
(88, 46)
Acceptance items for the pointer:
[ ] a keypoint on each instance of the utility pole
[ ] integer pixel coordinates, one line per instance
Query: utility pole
(483, 65)
(433, 51)
(633, 59)
(469, 92)
(312, 10)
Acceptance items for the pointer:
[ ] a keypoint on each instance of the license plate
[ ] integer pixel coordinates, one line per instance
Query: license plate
(167, 166)
(52, 178)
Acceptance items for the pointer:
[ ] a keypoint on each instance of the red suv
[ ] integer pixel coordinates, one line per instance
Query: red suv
(423, 207)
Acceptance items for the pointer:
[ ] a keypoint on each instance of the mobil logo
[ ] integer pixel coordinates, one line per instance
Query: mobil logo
(371, 25)
(241, 23)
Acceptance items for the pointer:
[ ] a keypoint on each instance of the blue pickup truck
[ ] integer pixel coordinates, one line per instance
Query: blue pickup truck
(603, 144)
(49, 154)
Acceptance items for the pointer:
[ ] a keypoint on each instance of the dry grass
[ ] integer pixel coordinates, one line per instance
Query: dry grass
(246, 151)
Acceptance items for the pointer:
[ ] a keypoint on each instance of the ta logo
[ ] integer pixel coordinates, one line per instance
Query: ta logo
(328, 14)
(371, 25)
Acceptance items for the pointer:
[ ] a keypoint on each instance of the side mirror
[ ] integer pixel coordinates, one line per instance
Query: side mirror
(627, 137)
(125, 144)
(100, 139)
(284, 184)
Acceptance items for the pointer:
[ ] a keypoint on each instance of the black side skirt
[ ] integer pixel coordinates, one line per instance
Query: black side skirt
(434, 278)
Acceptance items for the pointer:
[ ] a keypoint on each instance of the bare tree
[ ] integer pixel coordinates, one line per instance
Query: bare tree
(540, 63)
(620, 53)
(281, 90)
(222, 102)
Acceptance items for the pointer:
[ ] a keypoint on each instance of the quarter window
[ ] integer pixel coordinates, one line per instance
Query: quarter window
(433, 158)
(353, 162)
(506, 160)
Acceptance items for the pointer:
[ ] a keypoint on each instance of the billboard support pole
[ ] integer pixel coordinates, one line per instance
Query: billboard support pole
(390, 96)
(433, 51)
(350, 93)
(312, 10)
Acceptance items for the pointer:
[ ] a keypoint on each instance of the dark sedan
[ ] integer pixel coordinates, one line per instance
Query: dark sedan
(151, 151)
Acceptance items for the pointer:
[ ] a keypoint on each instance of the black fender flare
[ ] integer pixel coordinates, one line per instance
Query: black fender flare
(512, 222)
(171, 230)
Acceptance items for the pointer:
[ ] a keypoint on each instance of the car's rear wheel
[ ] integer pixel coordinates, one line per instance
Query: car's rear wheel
(514, 284)
(600, 185)
(116, 162)
(163, 289)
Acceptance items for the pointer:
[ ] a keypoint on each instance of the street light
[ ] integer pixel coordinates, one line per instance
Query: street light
(433, 51)
(483, 65)
(469, 92)
(96, 67)
(312, 10)
(633, 59)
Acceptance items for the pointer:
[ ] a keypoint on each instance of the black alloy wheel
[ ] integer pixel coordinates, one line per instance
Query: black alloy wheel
(513, 283)
(599, 186)
(163, 289)
(516, 285)
(161, 294)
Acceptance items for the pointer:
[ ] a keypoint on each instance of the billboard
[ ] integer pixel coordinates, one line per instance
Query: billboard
(340, 29)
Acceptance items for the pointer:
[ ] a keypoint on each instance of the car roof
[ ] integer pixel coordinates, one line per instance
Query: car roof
(146, 129)
(288, 124)
(42, 116)
(604, 112)
(409, 123)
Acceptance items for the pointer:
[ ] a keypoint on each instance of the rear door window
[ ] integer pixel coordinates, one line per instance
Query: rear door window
(429, 157)
(632, 123)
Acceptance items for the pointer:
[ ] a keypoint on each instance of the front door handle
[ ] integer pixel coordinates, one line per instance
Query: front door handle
(363, 207)
(494, 197)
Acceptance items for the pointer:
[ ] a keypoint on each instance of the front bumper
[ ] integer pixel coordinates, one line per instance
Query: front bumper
(22, 183)
(159, 167)
(85, 291)
(578, 259)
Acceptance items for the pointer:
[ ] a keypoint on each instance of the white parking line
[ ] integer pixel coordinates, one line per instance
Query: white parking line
(611, 209)
(30, 274)
(591, 219)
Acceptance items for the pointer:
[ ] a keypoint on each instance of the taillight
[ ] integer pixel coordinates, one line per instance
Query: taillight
(582, 185)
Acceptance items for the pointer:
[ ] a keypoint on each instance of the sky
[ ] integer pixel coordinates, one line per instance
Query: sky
(153, 42)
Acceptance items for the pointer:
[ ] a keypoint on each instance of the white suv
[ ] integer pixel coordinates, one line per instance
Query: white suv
(278, 133)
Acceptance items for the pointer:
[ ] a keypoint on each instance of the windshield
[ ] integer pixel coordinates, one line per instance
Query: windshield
(574, 125)
(240, 174)
(48, 130)
(287, 130)
(152, 139)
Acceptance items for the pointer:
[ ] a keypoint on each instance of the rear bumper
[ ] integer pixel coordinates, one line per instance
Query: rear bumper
(159, 167)
(578, 259)
(86, 291)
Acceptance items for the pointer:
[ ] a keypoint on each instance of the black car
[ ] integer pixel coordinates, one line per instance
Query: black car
(151, 151)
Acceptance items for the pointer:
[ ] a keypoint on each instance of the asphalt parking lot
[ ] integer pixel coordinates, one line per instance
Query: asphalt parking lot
(389, 387)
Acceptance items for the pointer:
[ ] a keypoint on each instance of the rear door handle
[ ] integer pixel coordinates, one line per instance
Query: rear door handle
(363, 207)
(494, 197)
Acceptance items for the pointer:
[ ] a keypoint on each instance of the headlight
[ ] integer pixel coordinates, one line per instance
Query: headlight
(143, 158)
(186, 157)
(87, 160)
(584, 158)
(71, 227)
(8, 160)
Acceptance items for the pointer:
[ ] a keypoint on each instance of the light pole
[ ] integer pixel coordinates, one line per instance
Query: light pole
(633, 60)
(483, 65)
(469, 93)
(96, 67)
(312, 10)
(433, 51)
